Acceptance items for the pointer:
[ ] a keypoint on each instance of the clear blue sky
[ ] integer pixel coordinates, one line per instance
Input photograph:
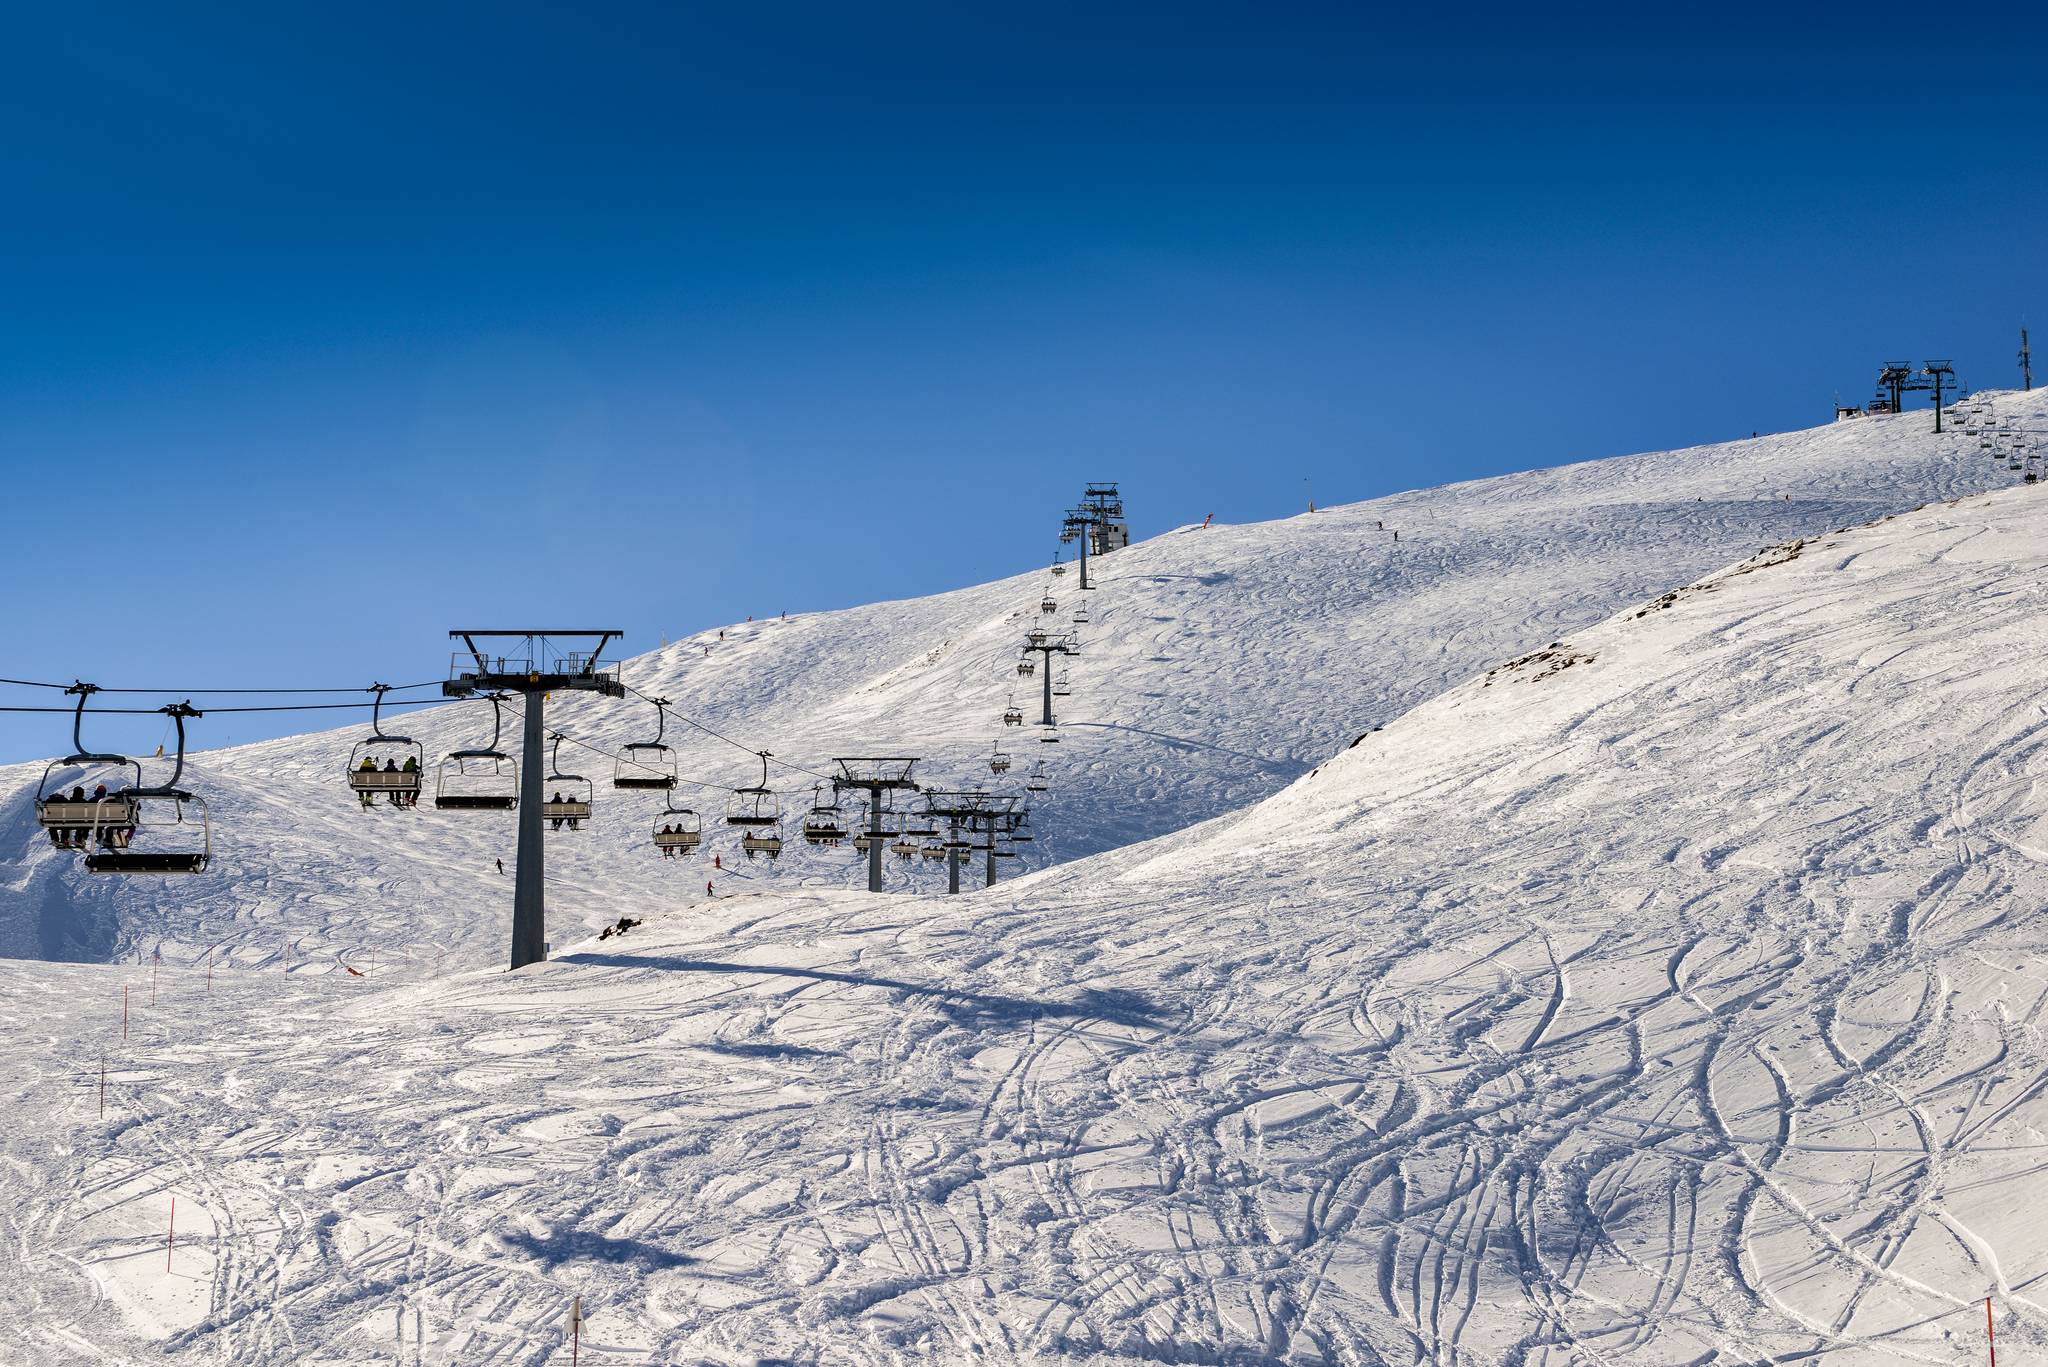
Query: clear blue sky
(324, 329)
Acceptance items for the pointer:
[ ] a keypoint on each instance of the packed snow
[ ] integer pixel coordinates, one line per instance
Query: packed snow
(1218, 665)
(1602, 927)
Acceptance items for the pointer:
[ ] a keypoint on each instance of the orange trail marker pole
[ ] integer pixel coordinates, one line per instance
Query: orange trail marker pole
(1990, 1334)
(171, 1237)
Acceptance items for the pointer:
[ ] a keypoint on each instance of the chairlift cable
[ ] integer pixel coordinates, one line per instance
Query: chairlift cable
(222, 692)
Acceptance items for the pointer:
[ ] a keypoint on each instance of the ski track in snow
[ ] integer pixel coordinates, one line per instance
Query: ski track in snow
(1671, 996)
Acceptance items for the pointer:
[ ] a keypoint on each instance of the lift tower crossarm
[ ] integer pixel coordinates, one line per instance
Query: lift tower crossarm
(533, 674)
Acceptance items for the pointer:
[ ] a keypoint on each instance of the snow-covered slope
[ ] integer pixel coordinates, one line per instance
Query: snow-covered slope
(1219, 665)
(1670, 994)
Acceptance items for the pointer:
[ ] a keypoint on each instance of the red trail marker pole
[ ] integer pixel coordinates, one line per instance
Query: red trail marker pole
(1990, 1334)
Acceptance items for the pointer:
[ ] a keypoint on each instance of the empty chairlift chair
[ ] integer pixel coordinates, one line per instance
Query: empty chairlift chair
(158, 830)
(485, 779)
(648, 765)
(386, 766)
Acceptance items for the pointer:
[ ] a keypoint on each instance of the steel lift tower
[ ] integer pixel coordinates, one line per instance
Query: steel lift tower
(533, 667)
(1048, 645)
(977, 811)
(876, 776)
(1102, 509)
(1939, 372)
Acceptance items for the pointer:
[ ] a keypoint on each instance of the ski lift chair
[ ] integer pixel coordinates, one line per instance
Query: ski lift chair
(484, 779)
(70, 819)
(569, 796)
(678, 829)
(755, 806)
(647, 765)
(823, 824)
(123, 819)
(399, 777)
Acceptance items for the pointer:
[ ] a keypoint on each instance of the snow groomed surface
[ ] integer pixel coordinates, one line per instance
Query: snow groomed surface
(1218, 666)
(1663, 987)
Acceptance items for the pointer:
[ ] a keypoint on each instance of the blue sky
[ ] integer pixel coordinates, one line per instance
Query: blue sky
(327, 330)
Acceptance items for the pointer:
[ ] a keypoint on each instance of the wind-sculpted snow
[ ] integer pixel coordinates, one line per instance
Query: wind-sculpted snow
(1218, 666)
(1667, 991)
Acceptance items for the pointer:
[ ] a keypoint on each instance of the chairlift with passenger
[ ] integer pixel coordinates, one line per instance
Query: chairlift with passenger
(824, 823)
(569, 796)
(69, 818)
(398, 782)
(677, 828)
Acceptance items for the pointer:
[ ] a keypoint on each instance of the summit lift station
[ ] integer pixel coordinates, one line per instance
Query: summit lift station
(533, 665)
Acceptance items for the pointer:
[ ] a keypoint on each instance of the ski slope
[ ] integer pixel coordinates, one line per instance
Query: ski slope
(1220, 664)
(1669, 994)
